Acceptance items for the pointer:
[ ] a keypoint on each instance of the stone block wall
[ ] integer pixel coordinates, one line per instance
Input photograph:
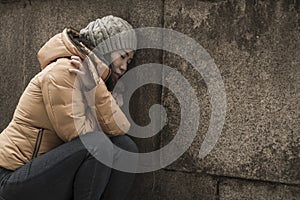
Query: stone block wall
(256, 46)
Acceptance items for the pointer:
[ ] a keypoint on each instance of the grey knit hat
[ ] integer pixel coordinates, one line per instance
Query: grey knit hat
(110, 33)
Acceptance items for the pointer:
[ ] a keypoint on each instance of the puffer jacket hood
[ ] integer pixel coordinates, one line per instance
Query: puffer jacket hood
(58, 46)
(62, 45)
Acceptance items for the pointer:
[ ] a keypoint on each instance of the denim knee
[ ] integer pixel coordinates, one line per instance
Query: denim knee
(125, 142)
(99, 145)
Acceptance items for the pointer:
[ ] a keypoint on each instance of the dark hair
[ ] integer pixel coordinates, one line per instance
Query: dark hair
(86, 42)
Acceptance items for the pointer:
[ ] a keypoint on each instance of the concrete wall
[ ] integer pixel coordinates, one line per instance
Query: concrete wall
(256, 46)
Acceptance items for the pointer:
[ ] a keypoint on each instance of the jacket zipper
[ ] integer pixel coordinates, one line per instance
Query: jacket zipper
(38, 143)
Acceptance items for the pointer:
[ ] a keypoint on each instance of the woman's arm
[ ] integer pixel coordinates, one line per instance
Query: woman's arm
(111, 118)
(67, 110)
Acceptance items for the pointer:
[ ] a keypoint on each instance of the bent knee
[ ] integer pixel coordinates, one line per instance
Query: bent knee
(97, 141)
(125, 142)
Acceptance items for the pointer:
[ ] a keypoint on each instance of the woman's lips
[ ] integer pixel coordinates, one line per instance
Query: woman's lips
(118, 75)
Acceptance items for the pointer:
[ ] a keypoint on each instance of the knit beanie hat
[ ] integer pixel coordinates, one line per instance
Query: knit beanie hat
(110, 33)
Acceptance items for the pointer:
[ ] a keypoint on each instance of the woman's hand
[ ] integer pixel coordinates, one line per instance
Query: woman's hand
(119, 98)
(83, 73)
(89, 83)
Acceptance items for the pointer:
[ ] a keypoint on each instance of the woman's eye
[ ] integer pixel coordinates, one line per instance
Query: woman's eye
(122, 56)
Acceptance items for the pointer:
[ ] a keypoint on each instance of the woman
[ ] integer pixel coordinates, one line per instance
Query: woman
(41, 155)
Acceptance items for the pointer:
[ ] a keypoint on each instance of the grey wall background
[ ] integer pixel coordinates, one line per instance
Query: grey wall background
(256, 45)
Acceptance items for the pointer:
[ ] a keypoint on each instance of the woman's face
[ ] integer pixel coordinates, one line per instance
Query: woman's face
(120, 61)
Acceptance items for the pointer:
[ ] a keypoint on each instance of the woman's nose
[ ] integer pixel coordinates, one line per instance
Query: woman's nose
(123, 67)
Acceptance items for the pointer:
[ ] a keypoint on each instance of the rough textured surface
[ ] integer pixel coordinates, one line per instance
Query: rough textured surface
(255, 45)
(233, 189)
(164, 184)
(12, 74)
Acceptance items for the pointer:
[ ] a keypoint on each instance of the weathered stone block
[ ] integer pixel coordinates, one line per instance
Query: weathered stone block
(12, 60)
(255, 45)
(233, 189)
(165, 184)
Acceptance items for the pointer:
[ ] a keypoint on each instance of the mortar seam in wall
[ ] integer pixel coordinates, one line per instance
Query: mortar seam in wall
(256, 180)
(163, 26)
(163, 61)
(23, 52)
(237, 178)
(218, 189)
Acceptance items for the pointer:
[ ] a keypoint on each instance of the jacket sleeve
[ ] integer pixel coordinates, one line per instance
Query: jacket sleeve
(68, 111)
(111, 118)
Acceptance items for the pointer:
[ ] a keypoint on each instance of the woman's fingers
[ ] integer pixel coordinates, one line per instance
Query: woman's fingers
(82, 71)
(76, 71)
(76, 58)
(76, 63)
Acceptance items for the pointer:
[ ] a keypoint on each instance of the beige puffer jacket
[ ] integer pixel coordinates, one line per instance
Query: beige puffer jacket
(50, 113)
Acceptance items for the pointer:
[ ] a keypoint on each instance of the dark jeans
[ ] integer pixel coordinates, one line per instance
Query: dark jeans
(71, 172)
